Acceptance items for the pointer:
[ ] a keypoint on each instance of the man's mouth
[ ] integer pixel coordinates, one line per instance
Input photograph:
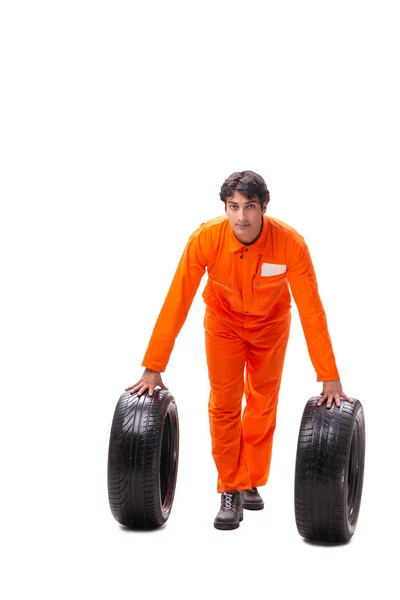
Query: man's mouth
(242, 225)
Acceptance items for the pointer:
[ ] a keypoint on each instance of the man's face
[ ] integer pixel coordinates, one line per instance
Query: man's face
(245, 217)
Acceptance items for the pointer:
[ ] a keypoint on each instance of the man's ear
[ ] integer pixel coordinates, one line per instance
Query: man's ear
(264, 208)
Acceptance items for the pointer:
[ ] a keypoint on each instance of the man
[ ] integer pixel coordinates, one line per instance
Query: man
(251, 259)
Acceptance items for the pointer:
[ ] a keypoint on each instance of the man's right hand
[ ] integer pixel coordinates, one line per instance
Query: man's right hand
(148, 381)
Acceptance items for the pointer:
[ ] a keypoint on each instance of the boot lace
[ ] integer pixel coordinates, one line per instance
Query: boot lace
(228, 500)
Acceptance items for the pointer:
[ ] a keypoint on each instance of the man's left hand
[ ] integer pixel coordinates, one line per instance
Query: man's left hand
(332, 390)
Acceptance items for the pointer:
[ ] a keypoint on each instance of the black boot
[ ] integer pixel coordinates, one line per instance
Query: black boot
(231, 512)
(252, 500)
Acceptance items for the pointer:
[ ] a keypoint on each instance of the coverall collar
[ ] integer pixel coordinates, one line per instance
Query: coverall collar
(234, 244)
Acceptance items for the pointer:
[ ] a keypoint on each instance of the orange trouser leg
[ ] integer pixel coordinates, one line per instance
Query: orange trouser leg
(241, 447)
(226, 356)
(264, 367)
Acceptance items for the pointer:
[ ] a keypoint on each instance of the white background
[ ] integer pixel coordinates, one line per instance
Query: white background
(119, 123)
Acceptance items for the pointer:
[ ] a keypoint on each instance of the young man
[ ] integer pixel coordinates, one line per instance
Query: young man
(251, 260)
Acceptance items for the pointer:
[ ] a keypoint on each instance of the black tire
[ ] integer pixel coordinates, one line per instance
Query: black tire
(329, 470)
(143, 459)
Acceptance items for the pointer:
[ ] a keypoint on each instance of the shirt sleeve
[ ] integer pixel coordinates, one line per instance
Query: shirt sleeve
(177, 303)
(304, 288)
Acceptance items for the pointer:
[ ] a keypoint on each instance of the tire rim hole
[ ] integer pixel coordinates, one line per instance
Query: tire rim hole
(353, 473)
(166, 460)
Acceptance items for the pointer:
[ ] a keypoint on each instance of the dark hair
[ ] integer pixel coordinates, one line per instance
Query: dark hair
(246, 182)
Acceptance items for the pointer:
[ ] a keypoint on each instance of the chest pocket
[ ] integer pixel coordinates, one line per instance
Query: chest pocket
(226, 291)
(268, 289)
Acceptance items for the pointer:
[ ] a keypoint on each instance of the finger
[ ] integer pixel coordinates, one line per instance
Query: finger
(337, 400)
(134, 385)
(140, 390)
(329, 403)
(321, 400)
(134, 388)
(344, 397)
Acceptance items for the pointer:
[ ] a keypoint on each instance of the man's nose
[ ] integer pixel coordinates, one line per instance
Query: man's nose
(241, 214)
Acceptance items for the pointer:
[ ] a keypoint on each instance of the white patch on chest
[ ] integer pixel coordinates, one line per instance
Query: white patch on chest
(272, 269)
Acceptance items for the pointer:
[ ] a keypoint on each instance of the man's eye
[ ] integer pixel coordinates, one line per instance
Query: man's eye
(250, 205)
(233, 206)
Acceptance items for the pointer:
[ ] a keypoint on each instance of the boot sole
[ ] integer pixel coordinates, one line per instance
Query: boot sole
(253, 506)
(226, 526)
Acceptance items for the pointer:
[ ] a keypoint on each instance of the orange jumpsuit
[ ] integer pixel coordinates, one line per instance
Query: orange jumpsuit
(247, 323)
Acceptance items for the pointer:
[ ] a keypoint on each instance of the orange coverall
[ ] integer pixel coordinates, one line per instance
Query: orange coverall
(247, 322)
